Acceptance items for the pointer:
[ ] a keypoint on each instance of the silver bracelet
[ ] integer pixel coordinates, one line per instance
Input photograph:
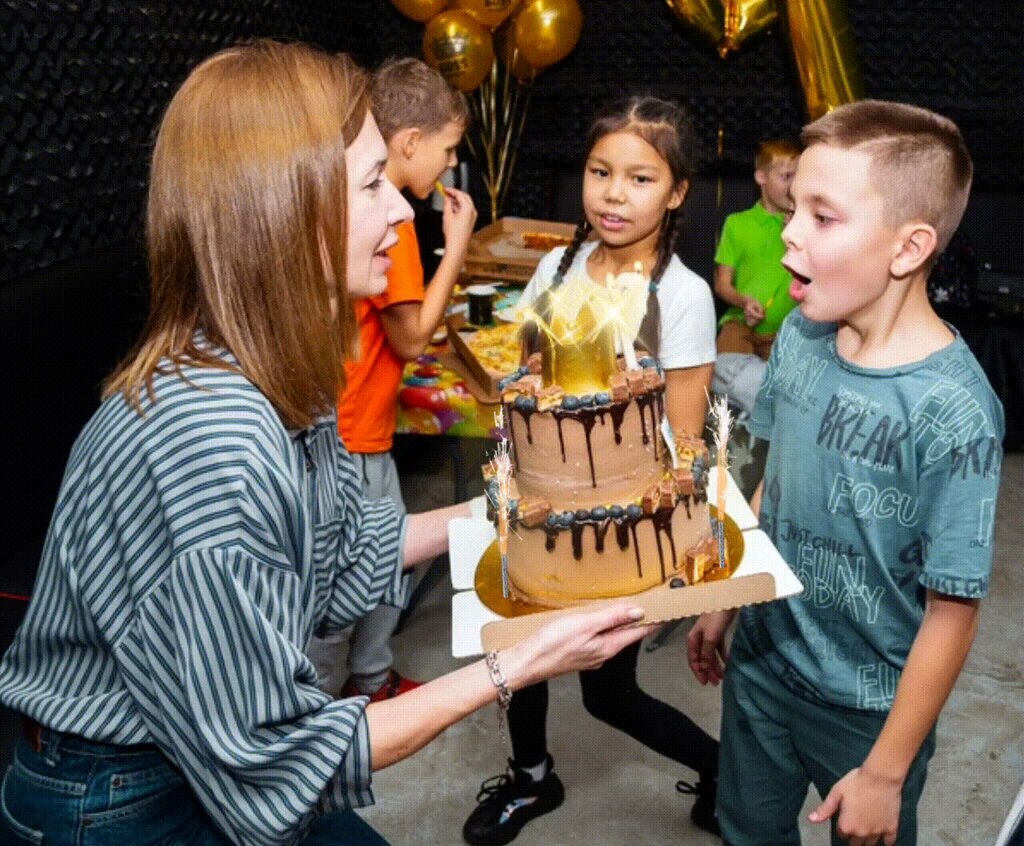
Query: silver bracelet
(504, 694)
(498, 679)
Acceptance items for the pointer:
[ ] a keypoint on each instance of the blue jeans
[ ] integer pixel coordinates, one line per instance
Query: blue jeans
(77, 792)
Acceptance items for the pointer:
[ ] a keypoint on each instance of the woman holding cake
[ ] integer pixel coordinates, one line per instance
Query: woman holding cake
(639, 161)
(210, 519)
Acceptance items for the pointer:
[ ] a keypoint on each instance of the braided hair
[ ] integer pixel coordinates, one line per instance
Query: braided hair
(666, 127)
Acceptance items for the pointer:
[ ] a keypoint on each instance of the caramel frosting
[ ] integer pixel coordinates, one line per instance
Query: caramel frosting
(591, 455)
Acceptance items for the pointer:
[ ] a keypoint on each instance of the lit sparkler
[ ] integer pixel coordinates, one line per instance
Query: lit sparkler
(722, 417)
(501, 464)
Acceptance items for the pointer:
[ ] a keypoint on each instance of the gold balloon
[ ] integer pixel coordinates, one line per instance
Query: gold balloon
(728, 24)
(460, 48)
(419, 10)
(507, 50)
(547, 30)
(490, 13)
(706, 16)
(744, 18)
(826, 58)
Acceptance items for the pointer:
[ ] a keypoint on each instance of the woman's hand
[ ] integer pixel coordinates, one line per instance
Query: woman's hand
(705, 646)
(577, 641)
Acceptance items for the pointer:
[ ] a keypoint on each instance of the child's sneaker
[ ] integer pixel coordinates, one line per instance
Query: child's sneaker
(703, 811)
(395, 685)
(509, 801)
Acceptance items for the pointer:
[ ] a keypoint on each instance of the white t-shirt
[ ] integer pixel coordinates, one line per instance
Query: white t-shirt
(687, 307)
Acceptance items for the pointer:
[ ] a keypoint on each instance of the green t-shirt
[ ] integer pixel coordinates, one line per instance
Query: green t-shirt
(752, 246)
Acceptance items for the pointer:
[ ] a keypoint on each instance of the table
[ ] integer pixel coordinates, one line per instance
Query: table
(435, 398)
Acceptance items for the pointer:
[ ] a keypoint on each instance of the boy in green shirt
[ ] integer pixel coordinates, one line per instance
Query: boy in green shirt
(748, 264)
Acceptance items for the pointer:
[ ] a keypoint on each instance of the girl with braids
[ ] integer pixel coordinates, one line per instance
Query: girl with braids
(637, 172)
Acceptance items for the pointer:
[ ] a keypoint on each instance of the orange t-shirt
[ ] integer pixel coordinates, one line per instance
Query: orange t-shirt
(368, 407)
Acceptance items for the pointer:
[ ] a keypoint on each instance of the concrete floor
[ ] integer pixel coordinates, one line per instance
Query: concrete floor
(618, 792)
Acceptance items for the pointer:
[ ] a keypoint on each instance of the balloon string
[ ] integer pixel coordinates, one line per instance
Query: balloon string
(526, 90)
(498, 132)
(483, 108)
(719, 188)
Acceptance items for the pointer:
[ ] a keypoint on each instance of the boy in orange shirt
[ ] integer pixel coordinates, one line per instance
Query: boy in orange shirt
(422, 119)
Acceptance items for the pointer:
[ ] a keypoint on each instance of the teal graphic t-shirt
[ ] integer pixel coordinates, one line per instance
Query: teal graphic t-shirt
(879, 484)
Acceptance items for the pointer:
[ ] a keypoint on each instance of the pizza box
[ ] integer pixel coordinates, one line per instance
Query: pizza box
(762, 576)
(484, 382)
(500, 251)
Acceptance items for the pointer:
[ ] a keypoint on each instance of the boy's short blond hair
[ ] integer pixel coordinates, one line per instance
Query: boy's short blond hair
(920, 164)
(408, 93)
(774, 150)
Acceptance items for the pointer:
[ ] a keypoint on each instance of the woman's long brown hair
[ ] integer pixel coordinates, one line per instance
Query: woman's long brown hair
(246, 226)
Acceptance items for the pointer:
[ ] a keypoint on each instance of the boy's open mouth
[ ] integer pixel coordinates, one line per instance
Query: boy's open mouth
(798, 287)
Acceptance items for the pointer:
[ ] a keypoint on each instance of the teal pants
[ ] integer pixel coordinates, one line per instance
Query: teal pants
(775, 744)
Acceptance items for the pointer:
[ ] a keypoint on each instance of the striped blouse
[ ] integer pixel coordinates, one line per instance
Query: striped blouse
(191, 555)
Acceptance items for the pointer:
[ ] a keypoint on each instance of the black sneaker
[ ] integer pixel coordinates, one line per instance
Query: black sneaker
(703, 811)
(509, 801)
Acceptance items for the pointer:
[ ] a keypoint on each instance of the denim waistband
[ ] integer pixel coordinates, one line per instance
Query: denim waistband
(40, 737)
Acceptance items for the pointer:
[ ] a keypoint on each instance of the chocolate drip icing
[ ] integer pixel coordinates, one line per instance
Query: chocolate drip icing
(622, 533)
(636, 550)
(586, 417)
(625, 529)
(577, 540)
(653, 401)
(588, 426)
(662, 520)
(552, 535)
(618, 413)
(589, 415)
(600, 528)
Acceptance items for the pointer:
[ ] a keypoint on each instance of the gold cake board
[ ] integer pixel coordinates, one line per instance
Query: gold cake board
(661, 603)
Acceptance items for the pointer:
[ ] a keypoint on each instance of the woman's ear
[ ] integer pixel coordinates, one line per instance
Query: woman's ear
(678, 194)
(915, 245)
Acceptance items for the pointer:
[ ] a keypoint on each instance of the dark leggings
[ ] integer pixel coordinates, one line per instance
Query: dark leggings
(611, 694)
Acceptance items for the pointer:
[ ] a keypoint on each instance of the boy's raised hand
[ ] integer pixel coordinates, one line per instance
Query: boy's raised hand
(705, 646)
(868, 807)
(753, 311)
(458, 220)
